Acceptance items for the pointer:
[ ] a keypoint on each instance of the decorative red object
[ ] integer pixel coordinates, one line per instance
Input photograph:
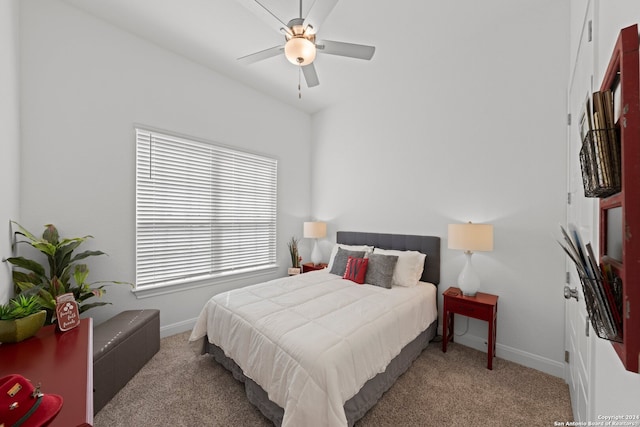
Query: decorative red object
(62, 363)
(481, 306)
(25, 405)
(356, 269)
(67, 313)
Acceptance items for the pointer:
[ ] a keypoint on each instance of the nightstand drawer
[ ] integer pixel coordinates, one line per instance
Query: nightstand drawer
(470, 309)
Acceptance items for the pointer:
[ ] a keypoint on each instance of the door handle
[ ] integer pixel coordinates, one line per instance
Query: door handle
(586, 326)
(570, 293)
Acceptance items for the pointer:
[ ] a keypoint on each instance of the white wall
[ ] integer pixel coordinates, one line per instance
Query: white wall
(471, 127)
(616, 390)
(84, 85)
(9, 137)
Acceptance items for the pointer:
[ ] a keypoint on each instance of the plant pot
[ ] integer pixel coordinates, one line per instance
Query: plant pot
(293, 271)
(17, 330)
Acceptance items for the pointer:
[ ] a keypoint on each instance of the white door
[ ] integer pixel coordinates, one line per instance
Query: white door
(580, 212)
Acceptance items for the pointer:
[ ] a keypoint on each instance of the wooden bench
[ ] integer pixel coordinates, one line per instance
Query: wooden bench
(121, 347)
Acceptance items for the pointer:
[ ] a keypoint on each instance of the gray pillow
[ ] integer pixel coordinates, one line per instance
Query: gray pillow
(380, 270)
(341, 258)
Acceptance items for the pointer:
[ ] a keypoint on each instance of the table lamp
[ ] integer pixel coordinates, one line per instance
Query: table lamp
(315, 230)
(470, 238)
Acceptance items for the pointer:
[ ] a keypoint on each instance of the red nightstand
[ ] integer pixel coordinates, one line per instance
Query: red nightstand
(312, 267)
(481, 306)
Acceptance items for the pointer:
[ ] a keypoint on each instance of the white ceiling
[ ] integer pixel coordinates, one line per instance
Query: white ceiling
(217, 32)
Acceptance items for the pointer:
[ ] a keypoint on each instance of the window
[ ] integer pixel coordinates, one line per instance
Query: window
(202, 210)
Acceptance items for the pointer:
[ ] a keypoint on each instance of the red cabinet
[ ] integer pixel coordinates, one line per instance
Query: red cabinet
(62, 363)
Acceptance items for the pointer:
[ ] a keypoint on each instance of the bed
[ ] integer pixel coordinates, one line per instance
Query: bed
(318, 349)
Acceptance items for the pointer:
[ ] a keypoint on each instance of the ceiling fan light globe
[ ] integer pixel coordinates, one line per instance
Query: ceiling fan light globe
(300, 51)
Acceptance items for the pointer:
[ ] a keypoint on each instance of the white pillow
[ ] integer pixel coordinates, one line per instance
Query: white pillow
(334, 251)
(408, 268)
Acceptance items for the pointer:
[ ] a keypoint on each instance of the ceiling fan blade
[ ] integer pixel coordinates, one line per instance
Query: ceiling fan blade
(263, 54)
(351, 50)
(310, 75)
(319, 11)
(262, 12)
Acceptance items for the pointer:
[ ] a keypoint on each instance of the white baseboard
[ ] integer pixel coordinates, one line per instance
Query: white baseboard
(530, 360)
(176, 328)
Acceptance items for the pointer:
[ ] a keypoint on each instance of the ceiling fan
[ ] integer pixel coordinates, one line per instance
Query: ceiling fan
(300, 45)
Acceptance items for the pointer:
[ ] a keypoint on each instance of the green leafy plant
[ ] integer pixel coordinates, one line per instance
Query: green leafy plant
(19, 307)
(65, 273)
(293, 250)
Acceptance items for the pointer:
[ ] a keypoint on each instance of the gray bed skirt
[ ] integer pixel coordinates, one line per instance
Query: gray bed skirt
(358, 405)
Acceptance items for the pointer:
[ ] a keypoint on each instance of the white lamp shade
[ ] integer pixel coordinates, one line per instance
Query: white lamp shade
(471, 237)
(315, 230)
(300, 51)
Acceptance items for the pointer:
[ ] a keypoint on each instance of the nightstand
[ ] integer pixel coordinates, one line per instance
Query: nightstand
(312, 267)
(481, 306)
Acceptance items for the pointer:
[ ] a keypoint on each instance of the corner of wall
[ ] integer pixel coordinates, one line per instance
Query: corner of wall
(9, 135)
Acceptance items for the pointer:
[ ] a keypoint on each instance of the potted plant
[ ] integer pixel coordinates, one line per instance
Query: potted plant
(21, 318)
(65, 273)
(295, 257)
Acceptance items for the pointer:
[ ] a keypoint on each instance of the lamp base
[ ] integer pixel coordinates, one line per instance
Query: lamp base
(316, 255)
(470, 294)
(468, 280)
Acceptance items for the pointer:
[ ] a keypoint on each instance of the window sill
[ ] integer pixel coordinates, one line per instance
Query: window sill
(173, 287)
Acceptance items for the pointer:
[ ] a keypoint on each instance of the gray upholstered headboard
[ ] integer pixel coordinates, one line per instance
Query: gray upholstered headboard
(429, 245)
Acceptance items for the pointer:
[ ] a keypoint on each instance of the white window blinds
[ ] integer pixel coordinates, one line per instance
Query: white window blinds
(201, 210)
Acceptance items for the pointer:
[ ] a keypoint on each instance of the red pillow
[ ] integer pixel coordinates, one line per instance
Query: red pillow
(356, 269)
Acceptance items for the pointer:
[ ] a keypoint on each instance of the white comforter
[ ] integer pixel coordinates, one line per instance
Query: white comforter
(311, 341)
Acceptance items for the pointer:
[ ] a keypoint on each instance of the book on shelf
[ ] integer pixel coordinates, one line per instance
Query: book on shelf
(616, 92)
(602, 138)
(614, 283)
(614, 147)
(610, 293)
(600, 294)
(605, 152)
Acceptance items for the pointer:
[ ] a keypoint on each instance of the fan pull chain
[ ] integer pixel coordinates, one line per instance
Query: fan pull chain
(299, 79)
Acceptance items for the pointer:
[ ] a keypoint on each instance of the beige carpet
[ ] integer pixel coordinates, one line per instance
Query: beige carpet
(179, 388)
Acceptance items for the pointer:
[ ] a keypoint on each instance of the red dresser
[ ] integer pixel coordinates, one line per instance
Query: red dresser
(62, 363)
